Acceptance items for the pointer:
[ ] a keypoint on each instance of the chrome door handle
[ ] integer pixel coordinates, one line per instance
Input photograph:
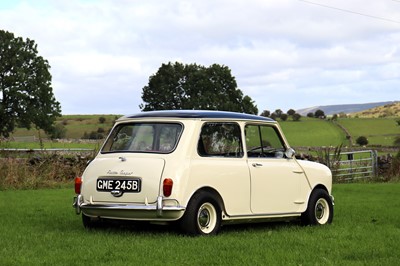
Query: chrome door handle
(257, 164)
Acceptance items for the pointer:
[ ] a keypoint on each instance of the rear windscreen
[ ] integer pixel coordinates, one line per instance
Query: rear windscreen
(144, 137)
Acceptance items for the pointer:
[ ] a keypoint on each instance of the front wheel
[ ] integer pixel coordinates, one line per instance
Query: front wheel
(202, 215)
(319, 210)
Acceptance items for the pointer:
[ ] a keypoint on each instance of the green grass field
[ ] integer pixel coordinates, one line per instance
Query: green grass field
(379, 131)
(308, 132)
(39, 227)
(313, 132)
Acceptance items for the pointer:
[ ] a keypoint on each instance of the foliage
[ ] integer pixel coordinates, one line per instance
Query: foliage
(59, 131)
(178, 86)
(95, 135)
(284, 117)
(310, 115)
(265, 113)
(296, 117)
(396, 141)
(278, 112)
(330, 157)
(319, 113)
(291, 112)
(362, 141)
(25, 85)
(102, 119)
(39, 170)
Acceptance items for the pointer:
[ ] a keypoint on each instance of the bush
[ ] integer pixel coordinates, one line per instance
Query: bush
(58, 132)
(265, 113)
(291, 112)
(319, 114)
(296, 117)
(40, 170)
(362, 141)
(102, 119)
(396, 141)
(93, 135)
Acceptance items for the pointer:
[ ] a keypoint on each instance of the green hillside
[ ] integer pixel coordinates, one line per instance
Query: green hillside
(76, 126)
(313, 132)
(379, 131)
(308, 132)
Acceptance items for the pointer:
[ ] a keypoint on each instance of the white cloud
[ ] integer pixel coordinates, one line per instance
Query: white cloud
(283, 53)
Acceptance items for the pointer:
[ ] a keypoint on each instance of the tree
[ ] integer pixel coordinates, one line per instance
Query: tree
(265, 113)
(291, 112)
(296, 117)
(278, 112)
(178, 86)
(284, 117)
(59, 131)
(26, 96)
(319, 114)
(311, 115)
(362, 141)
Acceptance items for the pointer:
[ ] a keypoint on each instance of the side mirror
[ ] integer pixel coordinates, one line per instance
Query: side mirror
(289, 153)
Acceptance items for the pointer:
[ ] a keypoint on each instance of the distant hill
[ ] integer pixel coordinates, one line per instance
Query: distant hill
(343, 108)
(387, 110)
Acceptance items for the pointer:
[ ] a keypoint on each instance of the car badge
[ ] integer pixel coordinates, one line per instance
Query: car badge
(117, 193)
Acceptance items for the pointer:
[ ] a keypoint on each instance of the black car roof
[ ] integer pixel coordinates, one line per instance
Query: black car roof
(198, 114)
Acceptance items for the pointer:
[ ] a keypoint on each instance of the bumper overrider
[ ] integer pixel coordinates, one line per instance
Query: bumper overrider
(155, 211)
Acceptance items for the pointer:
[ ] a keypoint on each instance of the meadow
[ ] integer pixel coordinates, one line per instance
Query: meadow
(313, 132)
(379, 131)
(308, 132)
(39, 227)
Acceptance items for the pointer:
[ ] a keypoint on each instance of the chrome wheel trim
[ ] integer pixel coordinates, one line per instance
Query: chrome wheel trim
(207, 218)
(322, 211)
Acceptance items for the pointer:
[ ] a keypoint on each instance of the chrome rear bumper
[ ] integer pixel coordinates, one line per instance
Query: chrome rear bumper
(156, 211)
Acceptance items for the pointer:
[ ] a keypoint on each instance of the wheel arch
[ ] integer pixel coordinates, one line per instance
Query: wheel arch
(318, 186)
(217, 196)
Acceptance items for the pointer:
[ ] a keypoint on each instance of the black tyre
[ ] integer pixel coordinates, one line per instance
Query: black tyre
(202, 215)
(89, 222)
(319, 210)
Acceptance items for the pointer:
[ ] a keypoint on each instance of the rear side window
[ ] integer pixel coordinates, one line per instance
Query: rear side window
(220, 139)
(144, 137)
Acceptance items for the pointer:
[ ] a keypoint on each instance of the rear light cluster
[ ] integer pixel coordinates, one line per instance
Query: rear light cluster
(78, 185)
(167, 187)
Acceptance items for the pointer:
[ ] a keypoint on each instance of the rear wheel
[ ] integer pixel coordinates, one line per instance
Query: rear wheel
(319, 210)
(89, 222)
(202, 215)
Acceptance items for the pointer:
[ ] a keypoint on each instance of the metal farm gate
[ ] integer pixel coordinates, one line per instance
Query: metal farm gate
(355, 165)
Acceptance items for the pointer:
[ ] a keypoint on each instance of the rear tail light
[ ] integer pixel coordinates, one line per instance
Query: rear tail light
(78, 185)
(167, 187)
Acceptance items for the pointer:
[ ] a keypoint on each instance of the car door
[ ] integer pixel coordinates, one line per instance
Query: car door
(275, 180)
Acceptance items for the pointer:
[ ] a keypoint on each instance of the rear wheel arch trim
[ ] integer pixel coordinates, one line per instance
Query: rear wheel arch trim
(215, 194)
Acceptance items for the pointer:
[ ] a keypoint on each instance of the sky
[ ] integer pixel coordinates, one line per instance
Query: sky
(284, 54)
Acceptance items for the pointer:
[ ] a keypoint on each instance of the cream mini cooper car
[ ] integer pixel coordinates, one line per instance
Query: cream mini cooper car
(201, 169)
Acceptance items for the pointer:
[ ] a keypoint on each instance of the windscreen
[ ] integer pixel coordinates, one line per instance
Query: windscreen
(144, 137)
